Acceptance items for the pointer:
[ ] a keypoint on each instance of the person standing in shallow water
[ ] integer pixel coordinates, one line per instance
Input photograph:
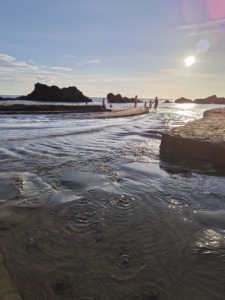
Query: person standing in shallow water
(135, 101)
(156, 102)
(103, 103)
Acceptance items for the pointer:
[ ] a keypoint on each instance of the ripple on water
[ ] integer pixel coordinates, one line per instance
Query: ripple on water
(209, 242)
(65, 246)
(24, 190)
(79, 218)
(80, 182)
(127, 261)
(19, 191)
(214, 219)
(122, 202)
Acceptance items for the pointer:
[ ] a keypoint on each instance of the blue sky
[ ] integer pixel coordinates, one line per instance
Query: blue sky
(121, 46)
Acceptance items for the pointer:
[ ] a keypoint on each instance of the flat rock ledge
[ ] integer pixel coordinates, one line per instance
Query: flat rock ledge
(9, 108)
(200, 138)
(77, 111)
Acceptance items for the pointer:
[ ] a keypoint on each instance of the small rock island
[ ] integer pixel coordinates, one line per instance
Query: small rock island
(119, 99)
(209, 100)
(42, 92)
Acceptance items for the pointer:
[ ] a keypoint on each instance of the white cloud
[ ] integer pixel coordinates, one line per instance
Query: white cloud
(31, 61)
(216, 26)
(11, 46)
(93, 61)
(13, 73)
(61, 68)
(7, 61)
(68, 56)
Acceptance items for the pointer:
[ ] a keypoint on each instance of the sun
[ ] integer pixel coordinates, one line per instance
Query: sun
(189, 60)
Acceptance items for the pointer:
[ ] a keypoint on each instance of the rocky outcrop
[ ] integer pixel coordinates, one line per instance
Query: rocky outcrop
(209, 100)
(168, 101)
(183, 100)
(220, 100)
(200, 138)
(53, 93)
(119, 99)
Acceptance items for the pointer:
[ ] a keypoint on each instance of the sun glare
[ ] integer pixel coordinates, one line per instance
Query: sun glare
(189, 60)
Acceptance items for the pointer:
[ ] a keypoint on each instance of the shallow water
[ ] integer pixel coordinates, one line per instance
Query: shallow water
(90, 210)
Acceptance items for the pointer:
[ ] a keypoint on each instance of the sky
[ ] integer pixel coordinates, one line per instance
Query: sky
(127, 47)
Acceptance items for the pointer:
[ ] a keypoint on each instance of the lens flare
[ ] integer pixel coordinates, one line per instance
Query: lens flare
(203, 46)
(216, 9)
(189, 60)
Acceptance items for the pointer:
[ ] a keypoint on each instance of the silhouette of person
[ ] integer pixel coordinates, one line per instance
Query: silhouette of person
(156, 102)
(135, 101)
(150, 104)
(103, 103)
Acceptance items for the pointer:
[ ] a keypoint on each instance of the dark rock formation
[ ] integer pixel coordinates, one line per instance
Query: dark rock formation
(209, 100)
(1, 98)
(119, 99)
(53, 93)
(183, 100)
(220, 100)
(168, 101)
(201, 138)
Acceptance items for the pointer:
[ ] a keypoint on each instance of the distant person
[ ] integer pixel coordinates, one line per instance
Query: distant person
(156, 102)
(135, 101)
(103, 103)
(150, 104)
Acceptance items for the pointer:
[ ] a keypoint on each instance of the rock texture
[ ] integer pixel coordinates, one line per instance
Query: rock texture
(53, 93)
(119, 99)
(200, 138)
(209, 100)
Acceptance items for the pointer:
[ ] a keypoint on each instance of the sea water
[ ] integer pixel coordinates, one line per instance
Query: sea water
(89, 209)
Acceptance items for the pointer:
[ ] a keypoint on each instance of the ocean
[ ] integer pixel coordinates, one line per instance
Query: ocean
(90, 209)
